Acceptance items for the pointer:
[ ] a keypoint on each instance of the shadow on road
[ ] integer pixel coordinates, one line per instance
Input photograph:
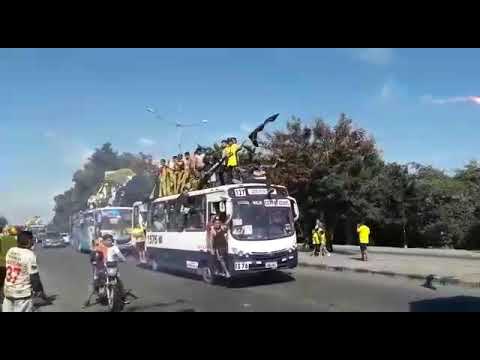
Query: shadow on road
(153, 306)
(450, 304)
(267, 278)
(356, 258)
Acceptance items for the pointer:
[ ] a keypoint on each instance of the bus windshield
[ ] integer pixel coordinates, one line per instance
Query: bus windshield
(116, 219)
(53, 235)
(262, 219)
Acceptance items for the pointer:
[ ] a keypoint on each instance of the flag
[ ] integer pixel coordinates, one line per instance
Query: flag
(253, 135)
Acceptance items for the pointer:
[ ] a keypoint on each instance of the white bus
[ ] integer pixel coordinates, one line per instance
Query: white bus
(261, 232)
(89, 224)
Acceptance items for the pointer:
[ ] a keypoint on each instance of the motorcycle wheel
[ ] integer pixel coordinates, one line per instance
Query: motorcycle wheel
(115, 303)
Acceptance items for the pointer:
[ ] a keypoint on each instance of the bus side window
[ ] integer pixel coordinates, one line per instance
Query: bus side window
(195, 218)
(158, 217)
(216, 209)
(174, 218)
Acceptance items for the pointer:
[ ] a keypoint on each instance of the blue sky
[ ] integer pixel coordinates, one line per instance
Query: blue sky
(57, 105)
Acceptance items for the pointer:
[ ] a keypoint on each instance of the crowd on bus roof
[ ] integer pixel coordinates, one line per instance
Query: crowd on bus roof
(197, 165)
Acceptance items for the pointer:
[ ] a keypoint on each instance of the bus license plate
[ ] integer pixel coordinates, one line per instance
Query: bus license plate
(271, 265)
(239, 266)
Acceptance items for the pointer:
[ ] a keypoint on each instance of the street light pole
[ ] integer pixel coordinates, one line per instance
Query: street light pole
(178, 125)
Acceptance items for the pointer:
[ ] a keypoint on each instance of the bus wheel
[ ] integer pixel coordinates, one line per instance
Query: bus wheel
(208, 275)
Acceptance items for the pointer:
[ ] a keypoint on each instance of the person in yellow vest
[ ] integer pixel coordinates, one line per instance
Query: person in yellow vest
(316, 239)
(364, 238)
(315, 243)
(319, 240)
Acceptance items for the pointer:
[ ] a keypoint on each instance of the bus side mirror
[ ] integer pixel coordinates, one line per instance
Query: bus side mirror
(296, 211)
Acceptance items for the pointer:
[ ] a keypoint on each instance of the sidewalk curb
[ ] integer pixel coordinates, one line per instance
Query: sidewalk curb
(384, 252)
(429, 278)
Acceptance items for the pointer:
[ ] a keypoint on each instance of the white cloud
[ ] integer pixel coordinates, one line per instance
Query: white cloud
(374, 56)
(450, 100)
(146, 142)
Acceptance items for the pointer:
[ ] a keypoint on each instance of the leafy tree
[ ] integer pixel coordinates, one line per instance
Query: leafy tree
(328, 170)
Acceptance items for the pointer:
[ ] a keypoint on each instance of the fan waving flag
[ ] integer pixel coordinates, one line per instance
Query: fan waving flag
(253, 135)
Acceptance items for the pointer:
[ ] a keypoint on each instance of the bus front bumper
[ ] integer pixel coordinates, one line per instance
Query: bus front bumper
(253, 264)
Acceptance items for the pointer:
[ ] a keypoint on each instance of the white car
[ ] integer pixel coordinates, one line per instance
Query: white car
(53, 240)
(65, 237)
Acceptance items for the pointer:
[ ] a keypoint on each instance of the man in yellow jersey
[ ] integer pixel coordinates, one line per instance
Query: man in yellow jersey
(232, 159)
(364, 238)
(224, 156)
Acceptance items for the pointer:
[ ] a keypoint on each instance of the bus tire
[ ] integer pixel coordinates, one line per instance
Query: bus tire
(208, 275)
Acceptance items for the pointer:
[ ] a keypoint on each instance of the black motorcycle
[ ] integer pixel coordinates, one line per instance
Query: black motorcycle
(109, 289)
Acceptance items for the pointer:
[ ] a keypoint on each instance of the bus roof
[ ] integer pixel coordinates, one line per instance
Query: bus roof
(114, 208)
(223, 188)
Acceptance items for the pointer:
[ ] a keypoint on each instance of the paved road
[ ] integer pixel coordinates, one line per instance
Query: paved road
(66, 274)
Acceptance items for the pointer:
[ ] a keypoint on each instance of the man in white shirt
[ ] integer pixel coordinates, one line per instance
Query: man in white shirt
(22, 278)
(113, 253)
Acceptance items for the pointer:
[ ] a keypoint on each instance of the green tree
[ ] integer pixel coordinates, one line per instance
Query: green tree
(328, 169)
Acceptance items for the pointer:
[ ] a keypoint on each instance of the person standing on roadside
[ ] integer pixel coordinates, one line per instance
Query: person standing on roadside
(319, 239)
(22, 279)
(315, 243)
(364, 238)
(316, 239)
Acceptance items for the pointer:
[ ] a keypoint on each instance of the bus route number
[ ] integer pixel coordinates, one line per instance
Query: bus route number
(154, 239)
(240, 192)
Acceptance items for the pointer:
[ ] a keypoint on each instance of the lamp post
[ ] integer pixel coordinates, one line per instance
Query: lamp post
(180, 126)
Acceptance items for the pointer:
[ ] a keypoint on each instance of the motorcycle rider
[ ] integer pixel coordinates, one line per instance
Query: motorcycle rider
(112, 253)
(97, 250)
(106, 251)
